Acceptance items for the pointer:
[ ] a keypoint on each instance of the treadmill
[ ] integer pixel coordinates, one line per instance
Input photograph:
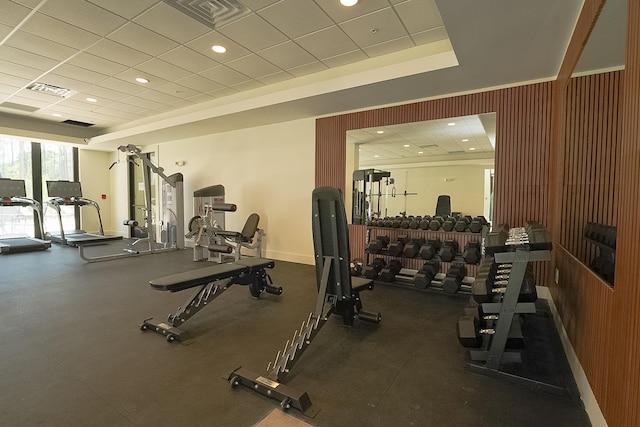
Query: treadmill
(68, 193)
(13, 193)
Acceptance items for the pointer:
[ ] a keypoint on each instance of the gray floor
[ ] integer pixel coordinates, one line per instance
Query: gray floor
(72, 353)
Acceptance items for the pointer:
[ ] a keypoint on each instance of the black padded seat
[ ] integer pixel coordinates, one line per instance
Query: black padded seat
(202, 276)
(361, 284)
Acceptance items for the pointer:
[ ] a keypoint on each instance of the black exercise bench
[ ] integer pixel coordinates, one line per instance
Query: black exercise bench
(338, 293)
(213, 281)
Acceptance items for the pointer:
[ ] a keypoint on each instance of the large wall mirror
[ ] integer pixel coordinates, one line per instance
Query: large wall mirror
(414, 163)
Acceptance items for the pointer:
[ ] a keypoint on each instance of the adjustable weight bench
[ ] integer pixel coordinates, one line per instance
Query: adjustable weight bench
(212, 282)
(338, 292)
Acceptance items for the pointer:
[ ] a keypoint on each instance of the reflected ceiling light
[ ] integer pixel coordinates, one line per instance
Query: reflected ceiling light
(420, 152)
(465, 140)
(472, 149)
(451, 124)
(348, 3)
(218, 49)
(380, 131)
(376, 156)
(56, 115)
(406, 145)
(91, 99)
(141, 80)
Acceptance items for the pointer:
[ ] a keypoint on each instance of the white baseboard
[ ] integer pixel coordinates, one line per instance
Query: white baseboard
(586, 394)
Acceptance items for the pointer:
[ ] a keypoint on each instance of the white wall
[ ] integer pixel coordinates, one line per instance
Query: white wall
(269, 170)
(95, 181)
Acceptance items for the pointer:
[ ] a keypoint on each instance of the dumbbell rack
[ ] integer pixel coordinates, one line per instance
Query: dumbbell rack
(489, 358)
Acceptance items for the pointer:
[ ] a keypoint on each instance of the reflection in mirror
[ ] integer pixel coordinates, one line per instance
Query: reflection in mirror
(402, 169)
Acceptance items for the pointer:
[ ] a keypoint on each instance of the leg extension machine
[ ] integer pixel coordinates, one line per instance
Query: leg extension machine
(338, 292)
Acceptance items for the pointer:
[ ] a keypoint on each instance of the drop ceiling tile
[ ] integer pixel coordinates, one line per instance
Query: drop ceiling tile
(19, 70)
(142, 39)
(345, 58)
(296, 17)
(307, 69)
(121, 86)
(203, 45)
(4, 31)
(287, 55)
(256, 5)
(15, 81)
(326, 43)
(40, 98)
(275, 78)
(339, 13)
(253, 66)
(430, 36)
(202, 97)
(39, 45)
(142, 103)
(390, 46)
(114, 112)
(177, 90)
(124, 108)
(419, 16)
(159, 97)
(95, 63)
(13, 13)
(253, 33)
(199, 83)
(126, 8)
(117, 52)
(182, 29)
(83, 14)
(78, 73)
(162, 69)
(59, 31)
(374, 28)
(188, 59)
(219, 93)
(224, 75)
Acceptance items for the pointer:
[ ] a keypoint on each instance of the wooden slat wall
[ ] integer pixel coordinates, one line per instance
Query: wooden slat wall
(523, 134)
(623, 392)
(590, 159)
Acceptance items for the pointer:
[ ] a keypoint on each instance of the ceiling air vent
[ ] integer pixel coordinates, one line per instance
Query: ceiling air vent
(456, 152)
(77, 123)
(20, 107)
(51, 89)
(212, 13)
(430, 146)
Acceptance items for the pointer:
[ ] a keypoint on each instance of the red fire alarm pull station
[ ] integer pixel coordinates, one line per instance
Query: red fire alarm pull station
(104, 197)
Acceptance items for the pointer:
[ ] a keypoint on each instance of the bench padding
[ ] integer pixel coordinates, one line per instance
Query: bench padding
(202, 276)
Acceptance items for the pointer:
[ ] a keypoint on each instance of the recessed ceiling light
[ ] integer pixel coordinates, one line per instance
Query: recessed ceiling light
(451, 124)
(465, 140)
(219, 49)
(472, 149)
(348, 3)
(406, 145)
(376, 156)
(92, 100)
(420, 152)
(141, 80)
(380, 131)
(56, 115)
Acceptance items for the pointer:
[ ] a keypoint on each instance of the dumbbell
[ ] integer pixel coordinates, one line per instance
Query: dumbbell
(470, 332)
(388, 274)
(375, 246)
(452, 282)
(412, 249)
(430, 248)
(372, 270)
(472, 253)
(355, 267)
(426, 274)
(484, 289)
(404, 223)
(436, 223)
(463, 223)
(424, 222)
(477, 223)
(396, 248)
(448, 223)
(448, 250)
(414, 224)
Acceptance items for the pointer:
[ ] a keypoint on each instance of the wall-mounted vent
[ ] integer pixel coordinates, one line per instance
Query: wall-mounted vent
(212, 13)
(21, 107)
(77, 123)
(51, 89)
